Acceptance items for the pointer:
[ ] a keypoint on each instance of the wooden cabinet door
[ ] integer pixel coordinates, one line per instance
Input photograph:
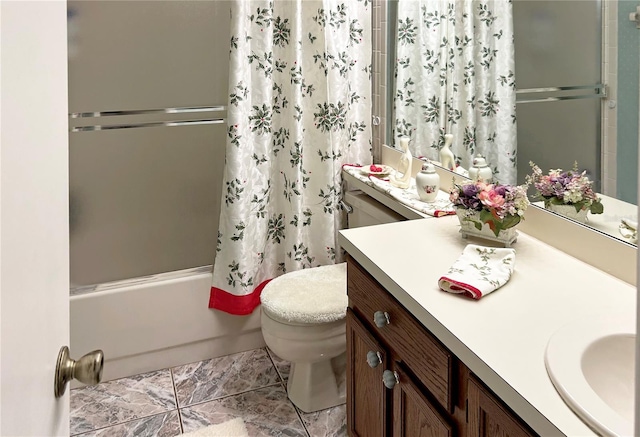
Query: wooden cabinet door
(367, 397)
(489, 418)
(413, 414)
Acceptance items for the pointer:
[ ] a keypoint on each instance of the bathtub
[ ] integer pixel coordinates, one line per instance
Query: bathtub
(160, 321)
(156, 322)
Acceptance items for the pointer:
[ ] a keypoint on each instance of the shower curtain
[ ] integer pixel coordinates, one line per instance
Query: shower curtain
(299, 108)
(455, 74)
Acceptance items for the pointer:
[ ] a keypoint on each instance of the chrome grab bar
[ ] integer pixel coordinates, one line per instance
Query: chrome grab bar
(179, 110)
(599, 91)
(597, 87)
(150, 124)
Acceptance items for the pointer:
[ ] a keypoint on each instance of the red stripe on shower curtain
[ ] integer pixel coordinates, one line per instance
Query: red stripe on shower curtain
(233, 304)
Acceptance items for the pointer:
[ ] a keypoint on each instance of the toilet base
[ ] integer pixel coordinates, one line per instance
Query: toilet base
(314, 386)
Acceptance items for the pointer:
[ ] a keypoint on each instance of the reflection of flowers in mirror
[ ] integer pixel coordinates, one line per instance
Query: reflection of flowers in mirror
(560, 187)
(499, 206)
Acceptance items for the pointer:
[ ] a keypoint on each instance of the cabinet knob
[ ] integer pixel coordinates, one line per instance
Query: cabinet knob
(390, 379)
(374, 358)
(381, 319)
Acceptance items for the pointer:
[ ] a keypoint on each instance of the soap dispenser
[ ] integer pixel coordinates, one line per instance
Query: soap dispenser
(427, 183)
(480, 170)
(402, 178)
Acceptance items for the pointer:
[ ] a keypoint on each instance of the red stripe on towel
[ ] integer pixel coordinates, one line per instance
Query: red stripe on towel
(442, 213)
(233, 304)
(469, 290)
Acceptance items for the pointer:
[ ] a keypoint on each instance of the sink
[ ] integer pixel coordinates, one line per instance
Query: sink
(591, 363)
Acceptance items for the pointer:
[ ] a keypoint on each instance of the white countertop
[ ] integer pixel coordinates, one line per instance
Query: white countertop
(502, 337)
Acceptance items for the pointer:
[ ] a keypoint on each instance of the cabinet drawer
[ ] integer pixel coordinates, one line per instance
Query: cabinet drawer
(407, 338)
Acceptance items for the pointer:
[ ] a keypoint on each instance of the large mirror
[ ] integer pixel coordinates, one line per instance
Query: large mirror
(557, 80)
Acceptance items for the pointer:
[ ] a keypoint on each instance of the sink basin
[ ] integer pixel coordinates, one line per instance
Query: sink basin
(592, 365)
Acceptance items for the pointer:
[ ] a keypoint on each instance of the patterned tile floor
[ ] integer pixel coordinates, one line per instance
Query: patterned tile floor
(166, 403)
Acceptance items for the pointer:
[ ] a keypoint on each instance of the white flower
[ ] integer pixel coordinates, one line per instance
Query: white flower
(572, 196)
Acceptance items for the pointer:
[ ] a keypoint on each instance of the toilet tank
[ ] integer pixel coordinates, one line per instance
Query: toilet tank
(368, 211)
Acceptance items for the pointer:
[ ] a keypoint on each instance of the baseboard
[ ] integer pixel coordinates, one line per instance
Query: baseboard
(183, 354)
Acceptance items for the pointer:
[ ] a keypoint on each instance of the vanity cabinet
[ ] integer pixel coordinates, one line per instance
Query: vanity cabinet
(488, 417)
(413, 413)
(367, 397)
(402, 382)
(378, 384)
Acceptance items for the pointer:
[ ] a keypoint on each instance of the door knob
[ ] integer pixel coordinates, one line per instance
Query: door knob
(87, 369)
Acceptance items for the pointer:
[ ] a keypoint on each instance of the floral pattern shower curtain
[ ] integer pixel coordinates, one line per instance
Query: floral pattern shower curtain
(299, 108)
(455, 74)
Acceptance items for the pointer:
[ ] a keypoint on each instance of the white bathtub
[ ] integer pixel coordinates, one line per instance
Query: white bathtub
(157, 322)
(163, 320)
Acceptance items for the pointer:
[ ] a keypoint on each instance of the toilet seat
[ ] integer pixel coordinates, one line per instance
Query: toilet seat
(308, 296)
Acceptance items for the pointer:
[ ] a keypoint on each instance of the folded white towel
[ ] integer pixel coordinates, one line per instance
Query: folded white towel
(479, 271)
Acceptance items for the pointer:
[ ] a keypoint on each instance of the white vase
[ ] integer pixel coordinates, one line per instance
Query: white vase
(468, 219)
(480, 170)
(402, 177)
(447, 158)
(568, 211)
(427, 183)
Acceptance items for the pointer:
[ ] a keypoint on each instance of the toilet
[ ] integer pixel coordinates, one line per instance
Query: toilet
(304, 318)
(303, 321)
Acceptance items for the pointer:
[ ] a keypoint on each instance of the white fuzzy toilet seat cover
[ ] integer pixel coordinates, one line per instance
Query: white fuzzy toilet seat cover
(315, 295)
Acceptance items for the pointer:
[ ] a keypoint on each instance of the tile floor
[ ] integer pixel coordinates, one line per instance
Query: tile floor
(169, 402)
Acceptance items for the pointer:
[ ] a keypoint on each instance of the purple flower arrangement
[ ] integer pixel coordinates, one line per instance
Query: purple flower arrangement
(561, 187)
(499, 206)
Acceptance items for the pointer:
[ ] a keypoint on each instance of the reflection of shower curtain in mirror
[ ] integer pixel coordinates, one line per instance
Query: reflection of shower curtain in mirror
(455, 74)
